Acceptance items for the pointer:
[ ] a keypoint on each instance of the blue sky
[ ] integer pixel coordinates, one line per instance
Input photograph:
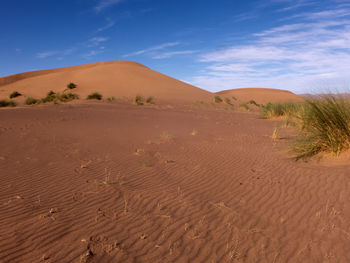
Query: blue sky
(299, 45)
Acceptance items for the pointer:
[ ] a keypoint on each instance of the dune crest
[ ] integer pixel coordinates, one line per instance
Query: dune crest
(261, 95)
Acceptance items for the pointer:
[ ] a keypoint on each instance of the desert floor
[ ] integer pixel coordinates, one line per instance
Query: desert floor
(99, 182)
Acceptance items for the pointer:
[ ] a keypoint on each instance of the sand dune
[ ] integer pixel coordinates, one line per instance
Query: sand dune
(113, 78)
(261, 95)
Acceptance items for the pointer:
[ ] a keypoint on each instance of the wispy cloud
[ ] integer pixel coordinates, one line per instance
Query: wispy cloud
(110, 23)
(46, 54)
(174, 53)
(103, 4)
(152, 49)
(291, 56)
(96, 41)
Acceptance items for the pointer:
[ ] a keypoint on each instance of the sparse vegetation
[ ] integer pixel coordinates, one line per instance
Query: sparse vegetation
(244, 106)
(71, 85)
(150, 100)
(7, 103)
(31, 101)
(275, 110)
(234, 98)
(15, 94)
(217, 99)
(59, 97)
(227, 101)
(94, 96)
(110, 99)
(325, 127)
(138, 100)
(253, 102)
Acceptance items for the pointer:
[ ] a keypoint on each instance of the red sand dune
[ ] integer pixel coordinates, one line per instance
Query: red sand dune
(113, 78)
(261, 95)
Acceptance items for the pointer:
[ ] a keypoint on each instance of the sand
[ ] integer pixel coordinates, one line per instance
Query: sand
(261, 95)
(99, 182)
(171, 182)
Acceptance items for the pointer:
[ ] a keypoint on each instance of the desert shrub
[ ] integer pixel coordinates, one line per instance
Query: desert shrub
(234, 98)
(217, 99)
(56, 97)
(7, 103)
(31, 101)
(150, 100)
(110, 99)
(275, 110)
(51, 96)
(71, 85)
(15, 94)
(244, 106)
(138, 100)
(227, 101)
(94, 96)
(325, 127)
(253, 102)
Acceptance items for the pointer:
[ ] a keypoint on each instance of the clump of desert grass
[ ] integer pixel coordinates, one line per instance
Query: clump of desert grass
(217, 99)
(228, 101)
(7, 103)
(59, 97)
(138, 100)
(15, 94)
(110, 99)
(244, 106)
(94, 96)
(253, 102)
(150, 100)
(31, 101)
(71, 86)
(325, 127)
(275, 110)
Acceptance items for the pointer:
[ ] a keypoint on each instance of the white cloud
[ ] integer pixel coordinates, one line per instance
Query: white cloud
(173, 53)
(110, 23)
(96, 41)
(291, 56)
(151, 49)
(46, 54)
(103, 4)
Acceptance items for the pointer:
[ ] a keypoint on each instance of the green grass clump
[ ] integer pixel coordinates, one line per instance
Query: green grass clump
(275, 110)
(138, 100)
(227, 101)
(150, 100)
(31, 101)
(7, 103)
(15, 94)
(325, 127)
(234, 98)
(244, 106)
(71, 85)
(217, 99)
(59, 97)
(94, 96)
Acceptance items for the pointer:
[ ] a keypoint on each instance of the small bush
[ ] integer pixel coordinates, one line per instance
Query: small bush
(234, 98)
(7, 103)
(110, 99)
(31, 101)
(138, 100)
(217, 99)
(252, 102)
(94, 96)
(227, 101)
(150, 100)
(15, 94)
(56, 97)
(71, 85)
(244, 106)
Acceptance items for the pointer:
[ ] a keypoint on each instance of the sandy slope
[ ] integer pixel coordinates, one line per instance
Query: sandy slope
(261, 95)
(113, 78)
(120, 183)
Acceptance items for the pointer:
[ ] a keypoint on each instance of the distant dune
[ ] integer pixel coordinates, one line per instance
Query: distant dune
(112, 78)
(261, 95)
